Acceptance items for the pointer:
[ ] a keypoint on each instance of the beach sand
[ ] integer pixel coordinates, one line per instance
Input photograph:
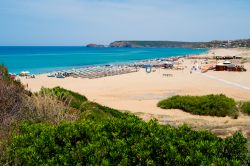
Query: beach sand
(140, 92)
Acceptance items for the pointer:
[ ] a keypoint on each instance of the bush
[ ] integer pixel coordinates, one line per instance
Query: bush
(245, 107)
(11, 100)
(12, 97)
(128, 141)
(213, 105)
(4, 76)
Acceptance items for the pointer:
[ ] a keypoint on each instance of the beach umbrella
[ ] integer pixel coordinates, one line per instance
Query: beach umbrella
(220, 64)
(226, 62)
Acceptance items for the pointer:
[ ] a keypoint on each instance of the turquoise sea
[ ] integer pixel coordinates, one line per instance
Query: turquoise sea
(47, 59)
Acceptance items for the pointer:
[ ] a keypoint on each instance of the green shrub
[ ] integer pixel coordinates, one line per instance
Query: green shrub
(127, 141)
(245, 107)
(213, 105)
(99, 111)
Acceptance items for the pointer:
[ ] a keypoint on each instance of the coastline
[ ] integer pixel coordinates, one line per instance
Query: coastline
(48, 59)
(131, 63)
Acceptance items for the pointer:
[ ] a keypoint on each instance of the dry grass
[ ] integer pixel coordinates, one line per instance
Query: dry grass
(49, 109)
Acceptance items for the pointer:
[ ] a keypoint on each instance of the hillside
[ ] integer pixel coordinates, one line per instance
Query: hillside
(60, 127)
(179, 44)
(156, 44)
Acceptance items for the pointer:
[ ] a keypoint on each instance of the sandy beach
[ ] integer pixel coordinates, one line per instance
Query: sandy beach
(139, 92)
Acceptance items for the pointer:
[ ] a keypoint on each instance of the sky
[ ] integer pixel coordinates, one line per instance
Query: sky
(79, 22)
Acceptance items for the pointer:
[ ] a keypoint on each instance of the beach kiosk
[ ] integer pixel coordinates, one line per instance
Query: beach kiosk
(148, 68)
(220, 67)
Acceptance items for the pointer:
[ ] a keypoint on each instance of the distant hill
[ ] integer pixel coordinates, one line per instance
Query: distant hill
(95, 46)
(179, 44)
(156, 44)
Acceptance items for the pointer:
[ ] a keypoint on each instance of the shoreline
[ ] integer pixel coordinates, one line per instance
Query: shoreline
(44, 70)
(133, 63)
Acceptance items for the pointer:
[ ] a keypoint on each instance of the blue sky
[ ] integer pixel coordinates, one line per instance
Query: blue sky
(78, 22)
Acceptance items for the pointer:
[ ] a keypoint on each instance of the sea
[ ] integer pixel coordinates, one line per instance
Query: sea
(44, 59)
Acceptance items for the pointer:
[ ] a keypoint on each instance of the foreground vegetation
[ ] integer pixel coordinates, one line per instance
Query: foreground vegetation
(213, 105)
(60, 127)
(126, 141)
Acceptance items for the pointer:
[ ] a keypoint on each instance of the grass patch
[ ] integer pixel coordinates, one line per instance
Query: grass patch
(213, 105)
(72, 98)
(80, 102)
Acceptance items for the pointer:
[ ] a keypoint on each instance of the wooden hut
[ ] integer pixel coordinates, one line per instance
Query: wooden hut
(220, 67)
